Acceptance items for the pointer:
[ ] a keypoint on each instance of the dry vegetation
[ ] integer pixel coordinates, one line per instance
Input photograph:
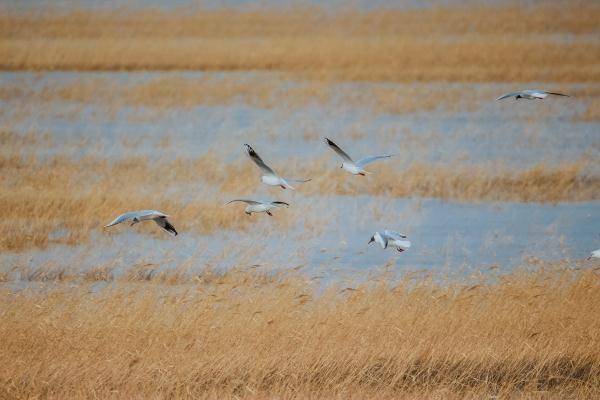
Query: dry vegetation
(454, 44)
(251, 335)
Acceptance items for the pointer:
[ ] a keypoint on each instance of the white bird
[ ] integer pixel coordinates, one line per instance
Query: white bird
(595, 254)
(260, 206)
(392, 239)
(534, 94)
(354, 167)
(146, 215)
(269, 176)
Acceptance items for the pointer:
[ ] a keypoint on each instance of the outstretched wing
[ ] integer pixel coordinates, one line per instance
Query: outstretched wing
(394, 235)
(339, 151)
(247, 201)
(258, 161)
(558, 94)
(507, 95)
(298, 180)
(122, 218)
(164, 223)
(367, 160)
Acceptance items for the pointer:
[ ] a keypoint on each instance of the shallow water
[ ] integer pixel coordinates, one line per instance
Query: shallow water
(330, 233)
(444, 235)
(515, 133)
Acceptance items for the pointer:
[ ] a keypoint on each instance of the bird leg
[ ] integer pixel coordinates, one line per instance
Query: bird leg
(399, 250)
(134, 221)
(269, 213)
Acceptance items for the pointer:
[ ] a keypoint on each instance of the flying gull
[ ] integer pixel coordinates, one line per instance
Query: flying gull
(146, 215)
(269, 177)
(530, 95)
(354, 167)
(391, 239)
(259, 206)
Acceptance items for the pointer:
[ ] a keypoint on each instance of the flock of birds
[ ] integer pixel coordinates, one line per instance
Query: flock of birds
(385, 239)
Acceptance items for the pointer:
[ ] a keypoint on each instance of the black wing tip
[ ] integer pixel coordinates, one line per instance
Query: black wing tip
(249, 150)
(329, 142)
(281, 202)
(559, 94)
(170, 228)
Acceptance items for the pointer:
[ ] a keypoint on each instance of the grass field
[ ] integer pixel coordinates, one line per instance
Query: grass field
(253, 335)
(454, 44)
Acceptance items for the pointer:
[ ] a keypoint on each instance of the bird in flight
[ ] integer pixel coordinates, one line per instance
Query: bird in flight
(269, 177)
(254, 206)
(354, 167)
(146, 215)
(390, 239)
(530, 95)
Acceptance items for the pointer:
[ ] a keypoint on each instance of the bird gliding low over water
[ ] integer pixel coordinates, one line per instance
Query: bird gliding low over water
(391, 239)
(530, 94)
(146, 215)
(255, 206)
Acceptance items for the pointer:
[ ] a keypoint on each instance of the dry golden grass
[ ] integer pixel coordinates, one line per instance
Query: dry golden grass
(250, 335)
(76, 197)
(454, 44)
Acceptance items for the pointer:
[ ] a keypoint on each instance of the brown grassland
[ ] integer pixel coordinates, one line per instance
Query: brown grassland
(442, 44)
(256, 335)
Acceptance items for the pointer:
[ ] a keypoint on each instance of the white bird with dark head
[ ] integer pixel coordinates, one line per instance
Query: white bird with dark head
(348, 164)
(391, 239)
(254, 206)
(269, 177)
(146, 215)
